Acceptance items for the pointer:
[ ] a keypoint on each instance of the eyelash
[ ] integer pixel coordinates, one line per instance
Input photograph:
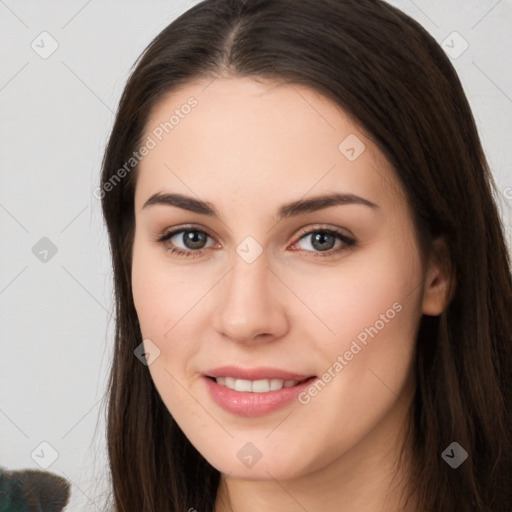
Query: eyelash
(347, 241)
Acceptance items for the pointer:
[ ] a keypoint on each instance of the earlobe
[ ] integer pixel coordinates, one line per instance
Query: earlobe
(439, 281)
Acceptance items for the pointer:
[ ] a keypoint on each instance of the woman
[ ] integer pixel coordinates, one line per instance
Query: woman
(313, 290)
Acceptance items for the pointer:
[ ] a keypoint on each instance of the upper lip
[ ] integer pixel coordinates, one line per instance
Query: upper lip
(255, 373)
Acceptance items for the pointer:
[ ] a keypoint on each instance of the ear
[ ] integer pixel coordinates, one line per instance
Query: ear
(439, 280)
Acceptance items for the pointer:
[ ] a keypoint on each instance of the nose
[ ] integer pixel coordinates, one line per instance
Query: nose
(250, 303)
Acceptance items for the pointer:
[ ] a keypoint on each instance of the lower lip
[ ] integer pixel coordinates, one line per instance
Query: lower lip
(248, 404)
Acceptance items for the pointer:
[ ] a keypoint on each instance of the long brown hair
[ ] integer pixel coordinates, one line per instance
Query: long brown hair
(390, 75)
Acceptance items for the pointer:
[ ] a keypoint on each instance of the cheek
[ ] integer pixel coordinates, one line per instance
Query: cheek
(376, 289)
(167, 301)
(160, 294)
(372, 309)
(161, 300)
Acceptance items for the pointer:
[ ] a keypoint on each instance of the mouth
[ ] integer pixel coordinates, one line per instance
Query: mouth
(256, 396)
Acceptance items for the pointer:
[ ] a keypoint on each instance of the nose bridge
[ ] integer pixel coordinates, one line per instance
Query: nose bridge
(249, 303)
(250, 273)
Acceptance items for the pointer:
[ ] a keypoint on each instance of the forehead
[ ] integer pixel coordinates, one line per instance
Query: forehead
(242, 137)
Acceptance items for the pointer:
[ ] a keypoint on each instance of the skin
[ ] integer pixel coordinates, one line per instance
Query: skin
(248, 147)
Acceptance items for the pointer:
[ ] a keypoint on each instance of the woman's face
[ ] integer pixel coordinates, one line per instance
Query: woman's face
(309, 312)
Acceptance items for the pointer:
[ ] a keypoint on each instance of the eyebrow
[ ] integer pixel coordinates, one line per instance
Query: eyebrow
(294, 208)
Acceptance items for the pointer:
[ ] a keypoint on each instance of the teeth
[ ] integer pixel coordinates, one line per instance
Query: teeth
(255, 386)
(243, 385)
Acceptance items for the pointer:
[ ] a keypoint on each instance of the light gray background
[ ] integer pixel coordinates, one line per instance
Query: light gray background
(56, 327)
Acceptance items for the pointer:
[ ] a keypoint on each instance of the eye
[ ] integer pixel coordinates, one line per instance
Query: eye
(323, 241)
(193, 240)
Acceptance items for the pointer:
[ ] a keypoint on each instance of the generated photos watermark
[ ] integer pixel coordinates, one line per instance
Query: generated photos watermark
(344, 359)
(157, 135)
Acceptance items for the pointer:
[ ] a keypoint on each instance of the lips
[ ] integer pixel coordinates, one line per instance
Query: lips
(254, 391)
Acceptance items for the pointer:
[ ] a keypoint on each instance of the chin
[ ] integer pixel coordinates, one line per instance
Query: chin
(244, 464)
